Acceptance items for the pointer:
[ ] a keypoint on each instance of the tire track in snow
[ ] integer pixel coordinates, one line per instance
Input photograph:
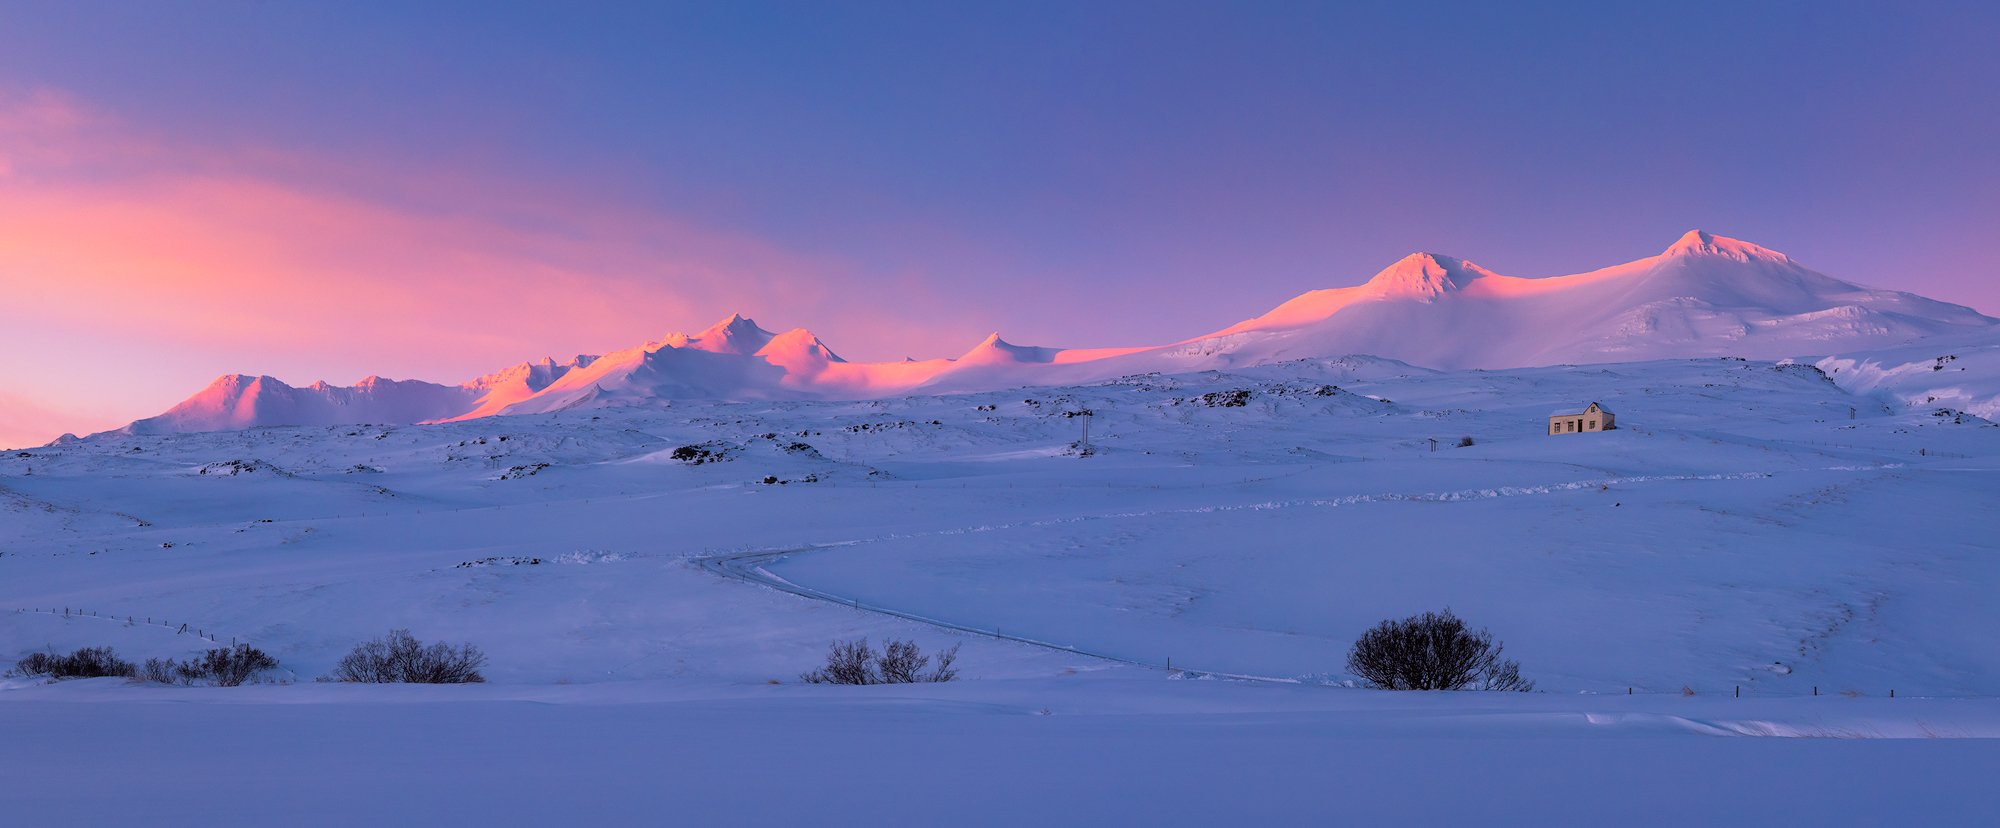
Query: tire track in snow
(750, 565)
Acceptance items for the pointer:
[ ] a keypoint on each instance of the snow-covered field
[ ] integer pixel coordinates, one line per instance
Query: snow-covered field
(1749, 526)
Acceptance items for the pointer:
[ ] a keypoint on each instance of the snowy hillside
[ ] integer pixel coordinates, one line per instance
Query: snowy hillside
(1959, 374)
(1243, 522)
(1706, 295)
(1172, 602)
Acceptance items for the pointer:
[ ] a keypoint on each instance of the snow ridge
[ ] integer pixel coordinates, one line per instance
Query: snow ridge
(1706, 295)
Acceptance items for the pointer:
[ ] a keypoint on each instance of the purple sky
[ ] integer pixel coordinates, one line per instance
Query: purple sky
(329, 191)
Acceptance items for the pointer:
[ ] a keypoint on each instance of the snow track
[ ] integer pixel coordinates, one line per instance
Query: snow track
(750, 566)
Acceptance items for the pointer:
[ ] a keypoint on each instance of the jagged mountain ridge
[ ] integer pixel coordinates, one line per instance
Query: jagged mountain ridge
(1705, 295)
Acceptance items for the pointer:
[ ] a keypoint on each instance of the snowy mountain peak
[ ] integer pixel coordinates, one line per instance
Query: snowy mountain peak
(736, 334)
(996, 351)
(234, 386)
(795, 345)
(236, 401)
(1708, 295)
(531, 376)
(1425, 276)
(1704, 243)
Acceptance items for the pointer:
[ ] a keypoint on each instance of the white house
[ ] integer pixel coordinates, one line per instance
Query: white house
(1594, 418)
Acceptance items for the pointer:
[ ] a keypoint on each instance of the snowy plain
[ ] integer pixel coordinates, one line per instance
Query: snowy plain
(1751, 527)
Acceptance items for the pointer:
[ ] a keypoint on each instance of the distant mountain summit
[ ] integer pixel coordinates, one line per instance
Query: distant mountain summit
(1424, 277)
(1704, 243)
(237, 401)
(1705, 295)
(735, 335)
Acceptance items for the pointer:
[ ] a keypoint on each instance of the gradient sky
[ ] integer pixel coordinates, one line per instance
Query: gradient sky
(438, 190)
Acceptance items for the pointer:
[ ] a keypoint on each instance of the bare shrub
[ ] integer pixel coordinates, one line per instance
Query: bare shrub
(88, 662)
(221, 667)
(901, 662)
(945, 671)
(1433, 651)
(847, 662)
(400, 658)
(161, 670)
(228, 666)
(1464, 442)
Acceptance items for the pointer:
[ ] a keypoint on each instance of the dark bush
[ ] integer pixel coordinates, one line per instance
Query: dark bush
(401, 658)
(161, 670)
(847, 662)
(901, 662)
(222, 667)
(89, 662)
(1464, 442)
(1433, 651)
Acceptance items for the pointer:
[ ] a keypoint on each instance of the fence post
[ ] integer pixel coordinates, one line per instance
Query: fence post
(1815, 689)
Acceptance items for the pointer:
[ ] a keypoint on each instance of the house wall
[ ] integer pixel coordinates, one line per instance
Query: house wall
(1579, 423)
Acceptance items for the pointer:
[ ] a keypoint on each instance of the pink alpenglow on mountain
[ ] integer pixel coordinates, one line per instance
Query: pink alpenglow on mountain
(238, 401)
(1704, 296)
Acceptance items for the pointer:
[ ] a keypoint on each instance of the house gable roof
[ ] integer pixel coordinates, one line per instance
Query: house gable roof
(1565, 412)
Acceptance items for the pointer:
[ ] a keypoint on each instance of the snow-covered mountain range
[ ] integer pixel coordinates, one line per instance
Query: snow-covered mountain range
(1706, 295)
